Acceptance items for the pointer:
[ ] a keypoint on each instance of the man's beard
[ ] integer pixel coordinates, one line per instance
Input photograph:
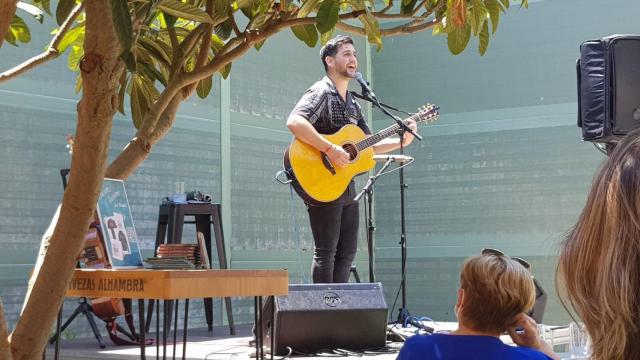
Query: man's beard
(345, 73)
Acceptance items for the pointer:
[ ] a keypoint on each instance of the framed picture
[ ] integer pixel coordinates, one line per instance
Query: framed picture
(116, 225)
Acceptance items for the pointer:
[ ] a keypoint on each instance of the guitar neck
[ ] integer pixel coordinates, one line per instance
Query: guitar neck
(383, 134)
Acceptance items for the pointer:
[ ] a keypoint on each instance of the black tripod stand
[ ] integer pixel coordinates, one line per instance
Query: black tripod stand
(83, 308)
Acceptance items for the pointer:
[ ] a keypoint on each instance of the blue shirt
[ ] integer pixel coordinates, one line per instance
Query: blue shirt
(462, 347)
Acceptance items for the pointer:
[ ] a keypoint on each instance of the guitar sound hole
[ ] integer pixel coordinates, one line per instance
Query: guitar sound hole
(351, 149)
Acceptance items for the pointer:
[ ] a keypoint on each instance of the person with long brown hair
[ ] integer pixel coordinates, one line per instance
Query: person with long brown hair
(599, 263)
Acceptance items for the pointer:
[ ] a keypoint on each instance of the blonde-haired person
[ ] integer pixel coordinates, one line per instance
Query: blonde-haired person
(495, 294)
(599, 264)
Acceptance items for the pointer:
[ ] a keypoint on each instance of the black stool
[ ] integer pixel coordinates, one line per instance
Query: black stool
(170, 222)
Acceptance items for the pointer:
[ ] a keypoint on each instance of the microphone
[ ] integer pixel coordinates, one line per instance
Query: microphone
(392, 157)
(364, 85)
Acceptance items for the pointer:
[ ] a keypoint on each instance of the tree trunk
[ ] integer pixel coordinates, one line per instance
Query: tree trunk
(7, 10)
(101, 69)
(140, 146)
(5, 349)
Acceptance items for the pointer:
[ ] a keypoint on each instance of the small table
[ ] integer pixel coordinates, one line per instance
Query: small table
(180, 284)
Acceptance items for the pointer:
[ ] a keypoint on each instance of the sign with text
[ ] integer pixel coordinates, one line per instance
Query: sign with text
(116, 224)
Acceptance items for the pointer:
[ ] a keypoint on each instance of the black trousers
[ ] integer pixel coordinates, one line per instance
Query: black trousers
(335, 235)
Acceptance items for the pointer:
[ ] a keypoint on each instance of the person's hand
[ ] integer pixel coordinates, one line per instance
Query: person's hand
(529, 336)
(338, 156)
(408, 137)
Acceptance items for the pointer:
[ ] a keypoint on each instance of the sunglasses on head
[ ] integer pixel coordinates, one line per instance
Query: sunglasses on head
(521, 261)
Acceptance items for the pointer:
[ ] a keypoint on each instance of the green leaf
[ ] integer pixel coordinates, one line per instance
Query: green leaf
(265, 5)
(458, 38)
(184, 11)
(33, 10)
(150, 91)
(306, 33)
(407, 6)
(438, 29)
(483, 39)
(372, 28)
(18, 31)
(258, 21)
(325, 37)
(241, 4)
(139, 104)
(505, 3)
(76, 53)
(525, 4)
(479, 15)
(307, 8)
(259, 44)
(121, 92)
(63, 10)
(122, 23)
(226, 70)
(153, 46)
(204, 87)
(327, 17)
(45, 5)
(456, 13)
(150, 72)
(129, 60)
(78, 82)
(74, 36)
(216, 44)
(169, 20)
(493, 7)
(223, 30)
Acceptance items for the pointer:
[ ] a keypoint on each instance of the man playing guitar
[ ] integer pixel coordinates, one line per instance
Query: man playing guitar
(325, 108)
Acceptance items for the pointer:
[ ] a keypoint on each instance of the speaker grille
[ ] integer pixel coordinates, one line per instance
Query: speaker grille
(325, 316)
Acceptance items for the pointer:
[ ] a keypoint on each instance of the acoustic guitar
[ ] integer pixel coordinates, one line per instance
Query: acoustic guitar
(313, 176)
(94, 256)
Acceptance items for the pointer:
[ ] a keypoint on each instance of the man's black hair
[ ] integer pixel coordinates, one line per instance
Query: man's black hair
(332, 46)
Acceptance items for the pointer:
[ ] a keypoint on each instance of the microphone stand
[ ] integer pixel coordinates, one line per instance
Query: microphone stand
(367, 190)
(403, 312)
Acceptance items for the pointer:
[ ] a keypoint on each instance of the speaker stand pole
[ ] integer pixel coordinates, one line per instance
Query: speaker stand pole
(371, 228)
(403, 312)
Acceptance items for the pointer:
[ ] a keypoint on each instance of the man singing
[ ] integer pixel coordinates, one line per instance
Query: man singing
(325, 108)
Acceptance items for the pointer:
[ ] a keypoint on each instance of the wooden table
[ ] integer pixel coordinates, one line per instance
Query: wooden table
(180, 284)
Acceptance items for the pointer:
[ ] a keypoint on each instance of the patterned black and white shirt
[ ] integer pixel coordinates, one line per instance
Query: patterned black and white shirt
(325, 109)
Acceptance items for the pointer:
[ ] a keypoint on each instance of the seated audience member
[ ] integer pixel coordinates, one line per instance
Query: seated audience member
(599, 263)
(495, 293)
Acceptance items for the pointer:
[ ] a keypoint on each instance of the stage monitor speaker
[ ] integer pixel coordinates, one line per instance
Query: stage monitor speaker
(314, 317)
(609, 87)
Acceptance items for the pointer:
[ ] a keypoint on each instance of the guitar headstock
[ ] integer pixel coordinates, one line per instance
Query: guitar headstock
(428, 113)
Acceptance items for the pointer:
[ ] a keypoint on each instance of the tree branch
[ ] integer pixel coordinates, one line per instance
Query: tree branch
(405, 29)
(5, 347)
(414, 14)
(203, 55)
(175, 48)
(49, 54)
(7, 11)
(234, 25)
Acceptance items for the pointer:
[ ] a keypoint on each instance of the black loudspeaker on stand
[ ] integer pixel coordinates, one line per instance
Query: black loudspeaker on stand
(608, 77)
(315, 317)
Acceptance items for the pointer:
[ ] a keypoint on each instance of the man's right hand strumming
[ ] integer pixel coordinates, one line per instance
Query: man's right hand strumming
(338, 156)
